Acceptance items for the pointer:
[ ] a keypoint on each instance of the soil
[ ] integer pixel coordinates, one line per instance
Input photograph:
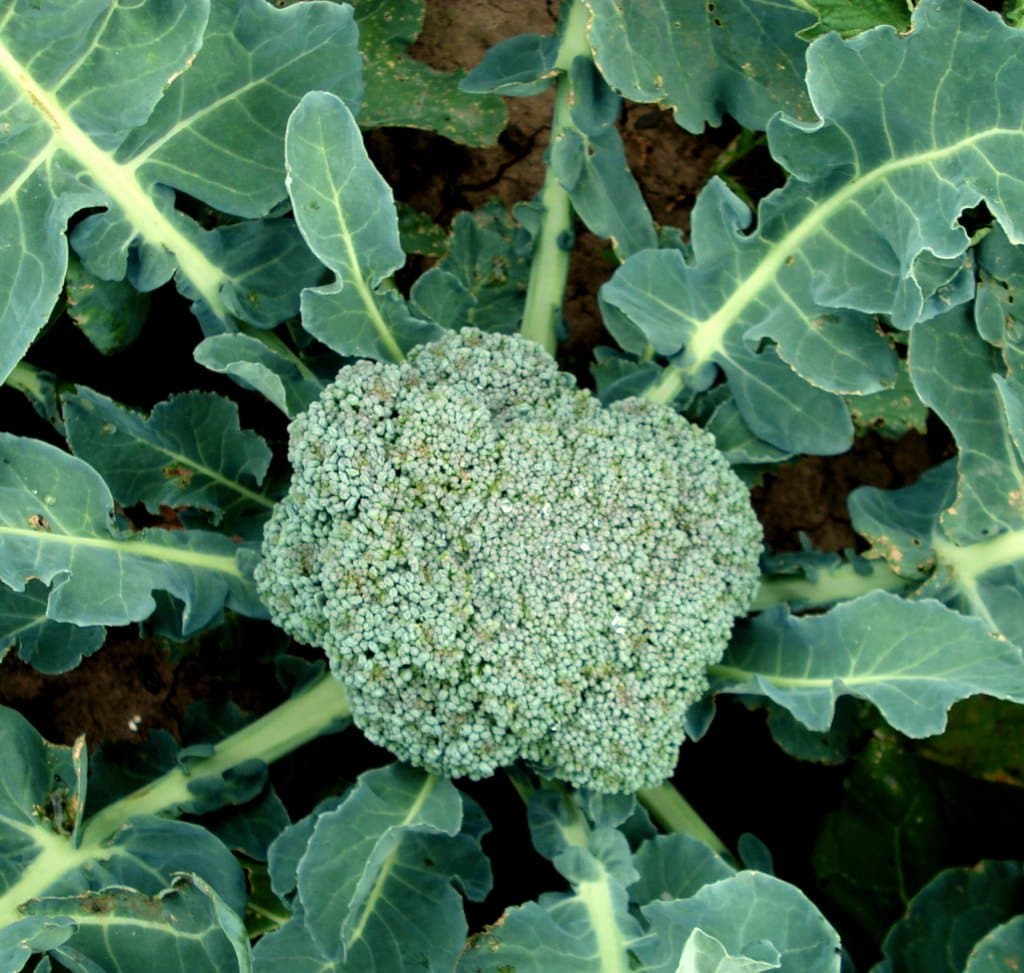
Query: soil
(132, 687)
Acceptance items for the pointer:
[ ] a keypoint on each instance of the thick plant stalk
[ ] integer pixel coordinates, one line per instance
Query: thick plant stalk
(549, 269)
(673, 813)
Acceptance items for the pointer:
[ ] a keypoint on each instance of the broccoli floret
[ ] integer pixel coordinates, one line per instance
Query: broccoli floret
(498, 567)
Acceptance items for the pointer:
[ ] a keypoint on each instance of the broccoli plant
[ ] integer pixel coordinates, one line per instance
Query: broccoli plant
(532, 595)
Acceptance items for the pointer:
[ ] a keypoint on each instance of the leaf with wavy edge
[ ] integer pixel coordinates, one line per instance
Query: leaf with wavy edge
(703, 59)
(103, 105)
(960, 530)
(403, 91)
(915, 128)
(57, 526)
(46, 645)
(184, 929)
(911, 659)
(189, 452)
(374, 872)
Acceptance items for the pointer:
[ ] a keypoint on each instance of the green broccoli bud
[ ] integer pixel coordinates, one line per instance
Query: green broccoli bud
(500, 568)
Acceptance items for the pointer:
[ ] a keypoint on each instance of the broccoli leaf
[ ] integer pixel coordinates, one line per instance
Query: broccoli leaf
(866, 224)
(702, 59)
(589, 160)
(965, 381)
(999, 949)
(403, 91)
(675, 866)
(912, 659)
(481, 279)
(952, 913)
(346, 212)
(46, 645)
(750, 915)
(375, 879)
(116, 107)
(705, 954)
(270, 369)
(676, 885)
(57, 526)
(110, 313)
(190, 452)
(968, 530)
(46, 852)
(853, 16)
(185, 929)
(40, 388)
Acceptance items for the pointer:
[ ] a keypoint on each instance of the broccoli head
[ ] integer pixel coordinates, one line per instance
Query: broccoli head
(498, 567)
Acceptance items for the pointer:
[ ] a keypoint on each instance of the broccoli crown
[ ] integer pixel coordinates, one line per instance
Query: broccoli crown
(498, 567)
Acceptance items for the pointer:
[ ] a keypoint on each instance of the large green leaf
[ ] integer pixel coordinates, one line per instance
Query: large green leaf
(115, 106)
(346, 212)
(57, 527)
(751, 915)
(44, 850)
(964, 532)
(190, 452)
(702, 59)
(677, 888)
(999, 950)
(912, 659)
(914, 129)
(375, 877)
(185, 929)
(950, 914)
(405, 92)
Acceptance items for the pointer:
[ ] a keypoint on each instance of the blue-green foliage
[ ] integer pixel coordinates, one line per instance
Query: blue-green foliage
(499, 567)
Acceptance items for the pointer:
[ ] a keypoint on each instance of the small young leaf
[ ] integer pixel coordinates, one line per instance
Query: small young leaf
(589, 160)
(254, 364)
(110, 313)
(705, 954)
(848, 17)
(346, 213)
(517, 66)
(481, 280)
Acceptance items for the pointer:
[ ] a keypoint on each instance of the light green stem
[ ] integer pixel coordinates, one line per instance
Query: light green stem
(549, 268)
(673, 813)
(302, 718)
(828, 586)
(668, 387)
